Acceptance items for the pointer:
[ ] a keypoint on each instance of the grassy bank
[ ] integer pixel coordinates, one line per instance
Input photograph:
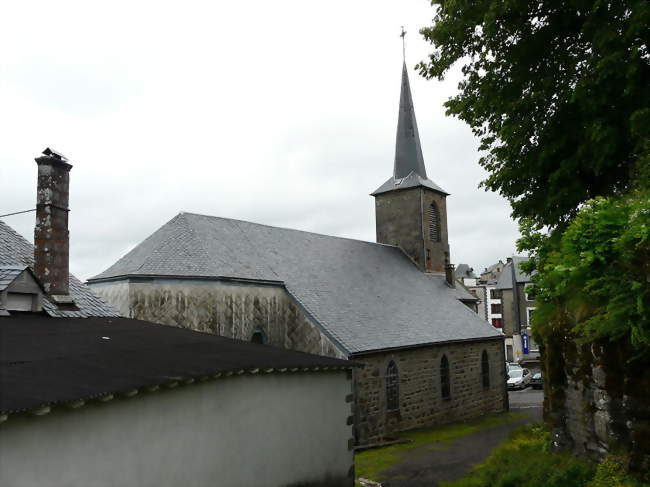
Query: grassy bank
(525, 461)
(371, 463)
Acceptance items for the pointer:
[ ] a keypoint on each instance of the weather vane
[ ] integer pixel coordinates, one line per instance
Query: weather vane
(402, 35)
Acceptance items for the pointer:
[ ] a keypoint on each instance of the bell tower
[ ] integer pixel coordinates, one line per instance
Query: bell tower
(410, 209)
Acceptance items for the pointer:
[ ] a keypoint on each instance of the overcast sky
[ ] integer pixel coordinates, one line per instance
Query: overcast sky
(281, 113)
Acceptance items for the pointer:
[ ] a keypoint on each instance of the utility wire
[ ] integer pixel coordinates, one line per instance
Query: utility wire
(17, 213)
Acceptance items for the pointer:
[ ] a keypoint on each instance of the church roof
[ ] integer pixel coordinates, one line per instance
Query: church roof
(409, 170)
(365, 296)
(17, 253)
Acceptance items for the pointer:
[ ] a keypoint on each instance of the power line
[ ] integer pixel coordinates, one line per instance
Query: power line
(17, 213)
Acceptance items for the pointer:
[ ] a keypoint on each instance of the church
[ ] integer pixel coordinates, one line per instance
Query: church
(393, 305)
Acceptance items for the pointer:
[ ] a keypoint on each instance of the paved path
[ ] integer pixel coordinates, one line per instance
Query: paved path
(426, 466)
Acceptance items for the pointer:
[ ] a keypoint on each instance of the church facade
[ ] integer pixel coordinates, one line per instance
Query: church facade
(391, 305)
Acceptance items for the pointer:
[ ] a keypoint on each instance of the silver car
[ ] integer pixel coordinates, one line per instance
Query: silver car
(518, 378)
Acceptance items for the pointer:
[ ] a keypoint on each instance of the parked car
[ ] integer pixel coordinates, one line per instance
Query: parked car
(537, 381)
(518, 378)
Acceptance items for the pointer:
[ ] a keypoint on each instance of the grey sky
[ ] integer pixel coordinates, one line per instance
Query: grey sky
(281, 113)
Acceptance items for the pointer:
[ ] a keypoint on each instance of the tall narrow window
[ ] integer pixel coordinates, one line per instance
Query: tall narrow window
(485, 370)
(434, 222)
(392, 387)
(445, 381)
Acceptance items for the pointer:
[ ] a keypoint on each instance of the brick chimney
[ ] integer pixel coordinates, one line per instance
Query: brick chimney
(51, 236)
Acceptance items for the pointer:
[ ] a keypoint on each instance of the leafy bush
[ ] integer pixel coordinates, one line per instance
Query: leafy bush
(612, 472)
(592, 279)
(525, 461)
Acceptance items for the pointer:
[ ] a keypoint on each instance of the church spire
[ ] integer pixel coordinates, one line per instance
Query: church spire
(408, 152)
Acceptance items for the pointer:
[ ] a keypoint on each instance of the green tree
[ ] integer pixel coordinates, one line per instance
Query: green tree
(558, 91)
(594, 277)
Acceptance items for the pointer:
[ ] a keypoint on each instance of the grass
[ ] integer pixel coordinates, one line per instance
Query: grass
(371, 464)
(525, 461)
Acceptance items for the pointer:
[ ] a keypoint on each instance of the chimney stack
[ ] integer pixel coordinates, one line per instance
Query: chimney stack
(51, 236)
(449, 274)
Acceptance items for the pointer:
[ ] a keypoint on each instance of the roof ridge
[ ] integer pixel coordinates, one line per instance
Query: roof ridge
(237, 220)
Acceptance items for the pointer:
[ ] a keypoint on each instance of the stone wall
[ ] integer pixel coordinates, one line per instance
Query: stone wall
(598, 399)
(420, 400)
(402, 218)
(224, 308)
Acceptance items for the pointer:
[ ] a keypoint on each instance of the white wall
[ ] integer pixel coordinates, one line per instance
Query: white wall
(244, 431)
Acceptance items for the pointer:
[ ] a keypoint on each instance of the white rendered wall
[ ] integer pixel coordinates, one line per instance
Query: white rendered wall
(244, 431)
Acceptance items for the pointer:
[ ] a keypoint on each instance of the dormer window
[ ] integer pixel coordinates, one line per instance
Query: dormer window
(19, 291)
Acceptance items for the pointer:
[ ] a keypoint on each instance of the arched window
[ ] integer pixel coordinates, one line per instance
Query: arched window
(485, 370)
(258, 336)
(392, 387)
(445, 381)
(434, 222)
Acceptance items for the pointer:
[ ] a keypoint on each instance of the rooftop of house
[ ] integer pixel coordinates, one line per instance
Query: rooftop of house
(365, 296)
(47, 361)
(504, 280)
(16, 253)
(464, 270)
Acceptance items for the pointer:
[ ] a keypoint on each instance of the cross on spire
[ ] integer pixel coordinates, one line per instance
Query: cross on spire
(403, 35)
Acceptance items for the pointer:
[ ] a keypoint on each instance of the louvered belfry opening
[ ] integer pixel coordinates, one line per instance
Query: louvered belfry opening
(392, 387)
(434, 222)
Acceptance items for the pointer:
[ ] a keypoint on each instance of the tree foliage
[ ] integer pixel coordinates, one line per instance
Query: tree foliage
(557, 91)
(595, 275)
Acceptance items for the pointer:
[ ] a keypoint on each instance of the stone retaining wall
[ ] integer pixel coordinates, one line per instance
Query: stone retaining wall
(598, 400)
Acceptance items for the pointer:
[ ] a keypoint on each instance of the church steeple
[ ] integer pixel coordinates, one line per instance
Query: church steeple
(411, 210)
(408, 152)
(408, 168)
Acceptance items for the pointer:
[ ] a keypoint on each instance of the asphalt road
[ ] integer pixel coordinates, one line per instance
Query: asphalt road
(526, 399)
(428, 465)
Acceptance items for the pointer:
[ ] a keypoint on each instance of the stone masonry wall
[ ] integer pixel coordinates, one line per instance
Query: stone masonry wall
(598, 399)
(421, 404)
(223, 308)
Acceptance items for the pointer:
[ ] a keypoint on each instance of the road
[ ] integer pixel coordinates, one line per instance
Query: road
(433, 463)
(528, 398)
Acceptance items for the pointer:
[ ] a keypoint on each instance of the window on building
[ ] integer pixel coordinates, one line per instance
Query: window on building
(530, 294)
(485, 370)
(258, 337)
(445, 380)
(392, 387)
(496, 308)
(529, 315)
(434, 222)
(497, 322)
(495, 294)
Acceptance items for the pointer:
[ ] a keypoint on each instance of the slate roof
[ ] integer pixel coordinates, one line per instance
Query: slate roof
(408, 170)
(365, 296)
(505, 278)
(464, 270)
(46, 361)
(15, 251)
(8, 274)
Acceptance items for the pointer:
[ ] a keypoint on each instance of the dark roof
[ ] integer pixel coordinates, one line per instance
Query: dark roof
(365, 296)
(16, 252)
(463, 270)
(408, 170)
(505, 278)
(46, 360)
